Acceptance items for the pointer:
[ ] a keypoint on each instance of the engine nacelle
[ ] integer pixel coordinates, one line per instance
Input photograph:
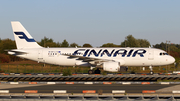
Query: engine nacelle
(114, 67)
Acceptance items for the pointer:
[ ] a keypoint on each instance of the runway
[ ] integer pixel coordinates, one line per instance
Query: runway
(131, 91)
(132, 87)
(78, 88)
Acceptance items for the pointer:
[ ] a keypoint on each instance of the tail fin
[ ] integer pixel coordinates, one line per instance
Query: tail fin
(22, 38)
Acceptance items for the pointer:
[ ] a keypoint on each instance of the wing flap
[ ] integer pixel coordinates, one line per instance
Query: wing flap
(90, 60)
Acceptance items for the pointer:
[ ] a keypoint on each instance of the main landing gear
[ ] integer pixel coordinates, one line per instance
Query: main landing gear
(97, 71)
(151, 70)
(91, 71)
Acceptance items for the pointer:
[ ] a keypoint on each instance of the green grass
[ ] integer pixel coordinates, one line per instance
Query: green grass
(40, 68)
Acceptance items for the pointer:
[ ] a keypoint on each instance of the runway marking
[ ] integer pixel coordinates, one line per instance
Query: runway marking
(31, 91)
(51, 82)
(118, 91)
(126, 83)
(167, 83)
(107, 82)
(32, 82)
(176, 91)
(59, 91)
(14, 82)
(148, 91)
(89, 91)
(4, 91)
(88, 82)
(144, 83)
(69, 82)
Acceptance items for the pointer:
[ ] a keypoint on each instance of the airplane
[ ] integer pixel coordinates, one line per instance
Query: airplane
(108, 59)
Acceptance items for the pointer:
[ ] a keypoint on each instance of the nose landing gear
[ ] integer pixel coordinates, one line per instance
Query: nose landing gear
(151, 70)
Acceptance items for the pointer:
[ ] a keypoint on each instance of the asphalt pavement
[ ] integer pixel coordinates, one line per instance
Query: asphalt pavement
(78, 88)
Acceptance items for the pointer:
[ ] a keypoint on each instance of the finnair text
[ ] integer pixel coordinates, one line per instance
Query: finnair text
(112, 53)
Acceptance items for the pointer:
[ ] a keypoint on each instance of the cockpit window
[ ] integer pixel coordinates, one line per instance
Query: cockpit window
(163, 54)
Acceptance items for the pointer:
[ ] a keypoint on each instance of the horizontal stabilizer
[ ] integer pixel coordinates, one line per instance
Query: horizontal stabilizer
(12, 52)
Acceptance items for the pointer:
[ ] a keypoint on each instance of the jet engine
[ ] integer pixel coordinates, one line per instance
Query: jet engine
(114, 67)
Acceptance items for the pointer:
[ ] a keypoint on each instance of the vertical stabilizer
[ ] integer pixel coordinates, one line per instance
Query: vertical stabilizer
(22, 38)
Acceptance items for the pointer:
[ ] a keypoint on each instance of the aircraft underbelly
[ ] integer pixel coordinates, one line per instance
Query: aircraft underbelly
(62, 60)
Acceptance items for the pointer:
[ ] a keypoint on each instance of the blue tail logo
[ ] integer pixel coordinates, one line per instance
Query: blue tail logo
(23, 36)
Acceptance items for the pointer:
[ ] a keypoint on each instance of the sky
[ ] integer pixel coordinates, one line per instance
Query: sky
(93, 21)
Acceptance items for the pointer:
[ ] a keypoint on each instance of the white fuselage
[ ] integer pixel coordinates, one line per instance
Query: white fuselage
(126, 56)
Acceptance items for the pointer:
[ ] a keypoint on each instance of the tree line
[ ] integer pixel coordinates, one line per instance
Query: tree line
(130, 41)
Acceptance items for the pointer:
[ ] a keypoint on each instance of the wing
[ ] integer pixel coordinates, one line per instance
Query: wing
(91, 60)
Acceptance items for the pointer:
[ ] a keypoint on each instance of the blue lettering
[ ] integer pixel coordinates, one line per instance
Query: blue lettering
(130, 52)
(86, 52)
(107, 52)
(78, 53)
(140, 53)
(94, 52)
(101, 52)
(123, 52)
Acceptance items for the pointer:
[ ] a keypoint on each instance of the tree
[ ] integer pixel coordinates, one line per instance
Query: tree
(130, 42)
(74, 45)
(48, 42)
(133, 42)
(58, 44)
(87, 45)
(160, 46)
(65, 43)
(7, 44)
(4, 58)
(173, 48)
(143, 43)
(110, 45)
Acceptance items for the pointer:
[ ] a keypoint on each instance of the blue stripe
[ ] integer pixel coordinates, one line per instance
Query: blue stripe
(24, 37)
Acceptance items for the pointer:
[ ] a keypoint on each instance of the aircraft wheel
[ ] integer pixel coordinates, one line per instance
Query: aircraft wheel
(97, 71)
(90, 72)
(151, 72)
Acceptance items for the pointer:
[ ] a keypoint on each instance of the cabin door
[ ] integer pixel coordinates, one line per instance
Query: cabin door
(40, 55)
(151, 55)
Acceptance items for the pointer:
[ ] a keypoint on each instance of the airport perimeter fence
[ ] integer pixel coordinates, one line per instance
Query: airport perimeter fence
(46, 68)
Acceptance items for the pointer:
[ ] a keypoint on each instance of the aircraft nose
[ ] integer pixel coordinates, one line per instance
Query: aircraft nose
(172, 60)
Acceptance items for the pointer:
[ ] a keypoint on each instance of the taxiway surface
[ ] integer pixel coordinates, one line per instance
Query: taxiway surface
(78, 88)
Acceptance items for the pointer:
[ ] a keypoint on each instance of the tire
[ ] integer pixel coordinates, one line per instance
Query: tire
(151, 72)
(90, 72)
(97, 71)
